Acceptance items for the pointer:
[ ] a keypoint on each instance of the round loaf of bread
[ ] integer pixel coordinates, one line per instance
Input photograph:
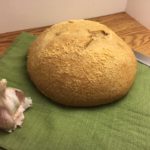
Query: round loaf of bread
(81, 63)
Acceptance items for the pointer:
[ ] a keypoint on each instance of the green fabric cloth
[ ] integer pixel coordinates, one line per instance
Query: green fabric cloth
(123, 125)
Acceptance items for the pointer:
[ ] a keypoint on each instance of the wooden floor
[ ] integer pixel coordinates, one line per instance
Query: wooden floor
(136, 35)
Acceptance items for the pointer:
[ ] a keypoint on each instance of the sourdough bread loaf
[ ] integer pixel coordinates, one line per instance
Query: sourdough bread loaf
(81, 63)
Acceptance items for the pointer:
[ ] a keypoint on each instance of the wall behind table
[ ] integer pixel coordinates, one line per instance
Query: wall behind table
(24, 14)
(140, 10)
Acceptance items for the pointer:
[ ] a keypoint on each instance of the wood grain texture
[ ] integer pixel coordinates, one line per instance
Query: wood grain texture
(136, 35)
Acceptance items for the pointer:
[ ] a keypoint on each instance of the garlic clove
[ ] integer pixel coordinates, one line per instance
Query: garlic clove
(12, 105)
(6, 120)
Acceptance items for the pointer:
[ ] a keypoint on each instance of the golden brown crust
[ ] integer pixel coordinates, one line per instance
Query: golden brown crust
(81, 63)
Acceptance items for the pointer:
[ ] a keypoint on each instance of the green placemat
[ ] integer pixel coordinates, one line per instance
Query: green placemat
(124, 125)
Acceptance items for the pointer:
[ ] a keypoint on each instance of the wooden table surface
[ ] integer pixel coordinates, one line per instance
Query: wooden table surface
(136, 35)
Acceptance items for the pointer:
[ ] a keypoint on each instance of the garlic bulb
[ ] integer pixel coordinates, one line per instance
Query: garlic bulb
(12, 105)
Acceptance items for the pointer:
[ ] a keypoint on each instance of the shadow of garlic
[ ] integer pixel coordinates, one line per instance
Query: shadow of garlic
(12, 105)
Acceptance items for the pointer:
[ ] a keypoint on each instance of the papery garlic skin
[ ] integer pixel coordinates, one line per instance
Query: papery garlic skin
(12, 105)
